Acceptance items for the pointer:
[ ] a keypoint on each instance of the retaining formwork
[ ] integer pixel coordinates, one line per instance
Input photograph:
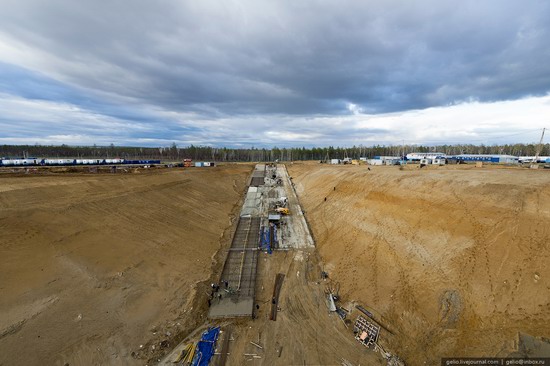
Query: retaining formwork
(258, 176)
(235, 297)
(240, 266)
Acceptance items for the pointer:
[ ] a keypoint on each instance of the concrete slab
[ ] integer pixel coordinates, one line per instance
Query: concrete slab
(296, 232)
(231, 307)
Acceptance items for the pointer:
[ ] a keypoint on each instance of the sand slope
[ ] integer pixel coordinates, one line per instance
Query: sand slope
(93, 266)
(454, 260)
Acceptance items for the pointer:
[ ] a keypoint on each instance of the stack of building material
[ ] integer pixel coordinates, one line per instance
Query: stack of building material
(206, 347)
(366, 332)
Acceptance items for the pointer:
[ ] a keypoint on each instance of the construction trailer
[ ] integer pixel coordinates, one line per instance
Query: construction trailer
(392, 161)
(335, 161)
(375, 162)
(383, 160)
(200, 164)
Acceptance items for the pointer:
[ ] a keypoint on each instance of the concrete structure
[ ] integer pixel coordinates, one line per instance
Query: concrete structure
(258, 176)
(251, 205)
(235, 295)
(236, 299)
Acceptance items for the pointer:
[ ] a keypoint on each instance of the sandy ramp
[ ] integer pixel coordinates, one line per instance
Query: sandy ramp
(455, 260)
(93, 266)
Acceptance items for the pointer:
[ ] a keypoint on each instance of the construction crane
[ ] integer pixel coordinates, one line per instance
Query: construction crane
(537, 153)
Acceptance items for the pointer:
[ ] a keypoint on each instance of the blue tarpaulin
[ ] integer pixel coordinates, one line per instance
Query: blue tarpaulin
(206, 347)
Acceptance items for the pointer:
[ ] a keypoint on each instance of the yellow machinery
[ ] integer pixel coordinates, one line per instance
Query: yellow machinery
(186, 355)
(283, 210)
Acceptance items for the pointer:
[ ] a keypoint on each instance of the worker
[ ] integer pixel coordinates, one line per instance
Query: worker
(334, 188)
(325, 199)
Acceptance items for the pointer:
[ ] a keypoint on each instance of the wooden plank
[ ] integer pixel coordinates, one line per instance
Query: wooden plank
(276, 292)
(225, 347)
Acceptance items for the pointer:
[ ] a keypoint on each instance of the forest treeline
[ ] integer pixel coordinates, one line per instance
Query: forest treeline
(176, 153)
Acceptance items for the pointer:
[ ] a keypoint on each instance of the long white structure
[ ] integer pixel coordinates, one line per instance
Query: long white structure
(417, 156)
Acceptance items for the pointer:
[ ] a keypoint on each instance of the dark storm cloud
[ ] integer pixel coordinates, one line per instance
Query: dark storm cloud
(312, 57)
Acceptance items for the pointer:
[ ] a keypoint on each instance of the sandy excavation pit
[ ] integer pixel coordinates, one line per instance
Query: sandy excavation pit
(454, 260)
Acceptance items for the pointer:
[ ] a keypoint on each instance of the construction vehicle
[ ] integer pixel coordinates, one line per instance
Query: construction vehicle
(283, 210)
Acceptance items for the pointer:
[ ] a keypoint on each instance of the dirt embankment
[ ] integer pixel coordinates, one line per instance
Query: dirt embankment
(93, 266)
(453, 260)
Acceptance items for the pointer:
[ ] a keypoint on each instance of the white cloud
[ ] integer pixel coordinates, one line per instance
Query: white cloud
(29, 122)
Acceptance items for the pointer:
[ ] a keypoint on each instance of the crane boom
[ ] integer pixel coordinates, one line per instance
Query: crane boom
(539, 147)
(534, 164)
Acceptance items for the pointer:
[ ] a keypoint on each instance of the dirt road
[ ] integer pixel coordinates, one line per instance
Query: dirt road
(93, 266)
(454, 260)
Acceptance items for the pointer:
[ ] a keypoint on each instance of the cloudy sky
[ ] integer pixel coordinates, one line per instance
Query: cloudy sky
(264, 73)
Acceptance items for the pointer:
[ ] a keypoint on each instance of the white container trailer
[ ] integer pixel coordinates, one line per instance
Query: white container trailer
(375, 162)
(335, 161)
